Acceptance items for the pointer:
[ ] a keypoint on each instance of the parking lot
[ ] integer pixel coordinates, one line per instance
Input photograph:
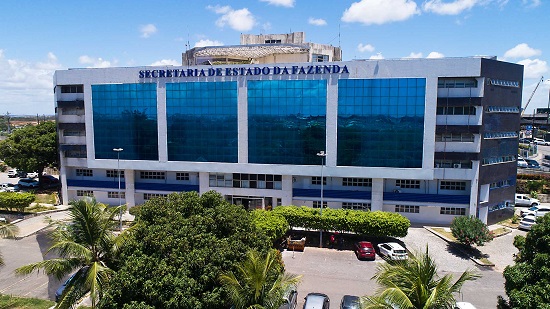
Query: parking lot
(337, 273)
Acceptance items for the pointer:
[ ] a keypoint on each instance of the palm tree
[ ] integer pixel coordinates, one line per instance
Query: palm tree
(84, 245)
(414, 284)
(259, 283)
(7, 230)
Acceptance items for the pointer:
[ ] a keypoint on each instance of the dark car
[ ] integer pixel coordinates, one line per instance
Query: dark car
(61, 289)
(49, 181)
(532, 163)
(290, 299)
(364, 250)
(350, 302)
(316, 301)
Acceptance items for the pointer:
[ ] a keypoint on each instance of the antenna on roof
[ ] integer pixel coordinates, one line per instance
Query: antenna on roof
(339, 35)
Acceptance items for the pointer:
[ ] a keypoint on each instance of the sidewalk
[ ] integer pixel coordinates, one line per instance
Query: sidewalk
(31, 226)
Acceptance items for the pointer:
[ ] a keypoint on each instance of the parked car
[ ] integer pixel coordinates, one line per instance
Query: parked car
(464, 305)
(527, 222)
(28, 183)
(540, 141)
(49, 181)
(526, 200)
(290, 299)
(62, 287)
(7, 187)
(532, 163)
(393, 251)
(350, 302)
(12, 173)
(21, 174)
(364, 250)
(537, 211)
(316, 301)
(524, 141)
(522, 163)
(32, 175)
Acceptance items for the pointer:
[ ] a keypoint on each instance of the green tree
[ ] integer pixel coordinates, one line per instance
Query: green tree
(31, 148)
(259, 281)
(527, 281)
(7, 230)
(180, 246)
(414, 284)
(469, 230)
(86, 245)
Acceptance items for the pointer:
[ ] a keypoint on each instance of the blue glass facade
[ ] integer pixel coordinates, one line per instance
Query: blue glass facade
(286, 121)
(381, 122)
(202, 121)
(125, 116)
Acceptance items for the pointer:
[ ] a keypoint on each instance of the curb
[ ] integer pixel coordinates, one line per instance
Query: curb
(454, 245)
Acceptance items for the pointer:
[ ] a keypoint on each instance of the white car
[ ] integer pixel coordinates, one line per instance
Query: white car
(527, 222)
(28, 183)
(32, 174)
(540, 141)
(12, 173)
(393, 251)
(522, 163)
(464, 305)
(537, 211)
(526, 200)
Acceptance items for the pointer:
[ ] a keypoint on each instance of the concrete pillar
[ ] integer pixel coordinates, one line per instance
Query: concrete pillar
(377, 199)
(130, 190)
(286, 199)
(204, 182)
(63, 179)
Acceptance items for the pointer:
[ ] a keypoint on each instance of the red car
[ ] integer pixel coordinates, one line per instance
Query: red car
(364, 250)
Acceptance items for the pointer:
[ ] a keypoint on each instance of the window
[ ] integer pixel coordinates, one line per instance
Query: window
(454, 137)
(84, 172)
(452, 211)
(74, 133)
(407, 183)
(257, 181)
(504, 83)
(407, 208)
(356, 206)
(84, 193)
(114, 174)
(72, 88)
(72, 111)
(221, 180)
(152, 175)
(320, 58)
(182, 176)
(457, 83)
(148, 196)
(499, 135)
(497, 160)
(279, 202)
(452, 185)
(272, 41)
(452, 164)
(357, 182)
(317, 204)
(503, 109)
(317, 181)
(76, 151)
(500, 184)
(456, 110)
(116, 195)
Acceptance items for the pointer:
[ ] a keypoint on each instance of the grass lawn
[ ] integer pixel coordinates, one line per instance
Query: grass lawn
(12, 302)
(38, 208)
(45, 198)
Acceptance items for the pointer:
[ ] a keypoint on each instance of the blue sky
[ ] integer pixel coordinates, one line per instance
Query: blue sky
(38, 37)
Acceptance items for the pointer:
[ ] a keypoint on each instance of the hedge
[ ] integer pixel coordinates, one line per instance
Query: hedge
(274, 225)
(373, 223)
(15, 201)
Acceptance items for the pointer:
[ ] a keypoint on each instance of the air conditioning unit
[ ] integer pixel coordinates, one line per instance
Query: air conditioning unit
(457, 165)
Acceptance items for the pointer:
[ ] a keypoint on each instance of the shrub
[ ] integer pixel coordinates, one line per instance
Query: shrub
(15, 201)
(272, 224)
(470, 230)
(375, 223)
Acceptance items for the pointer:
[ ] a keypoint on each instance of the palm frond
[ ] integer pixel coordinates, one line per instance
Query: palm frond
(57, 267)
(8, 230)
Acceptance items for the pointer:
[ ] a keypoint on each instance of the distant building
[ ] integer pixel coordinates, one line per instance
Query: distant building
(431, 139)
(264, 48)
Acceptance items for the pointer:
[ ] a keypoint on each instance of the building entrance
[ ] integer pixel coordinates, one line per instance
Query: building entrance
(250, 202)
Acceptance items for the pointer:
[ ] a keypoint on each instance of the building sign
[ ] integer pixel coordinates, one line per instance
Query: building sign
(243, 71)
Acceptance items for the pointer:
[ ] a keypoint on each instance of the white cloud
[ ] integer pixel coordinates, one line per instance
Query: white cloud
(207, 42)
(365, 48)
(147, 30)
(165, 62)
(522, 51)
(27, 87)
(533, 68)
(240, 20)
(285, 3)
(434, 54)
(531, 3)
(379, 12)
(317, 21)
(448, 8)
(95, 62)
(414, 55)
(377, 56)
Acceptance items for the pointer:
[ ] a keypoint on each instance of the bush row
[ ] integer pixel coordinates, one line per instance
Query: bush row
(15, 201)
(372, 223)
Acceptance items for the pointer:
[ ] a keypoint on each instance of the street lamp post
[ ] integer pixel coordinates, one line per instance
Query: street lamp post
(321, 154)
(118, 150)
